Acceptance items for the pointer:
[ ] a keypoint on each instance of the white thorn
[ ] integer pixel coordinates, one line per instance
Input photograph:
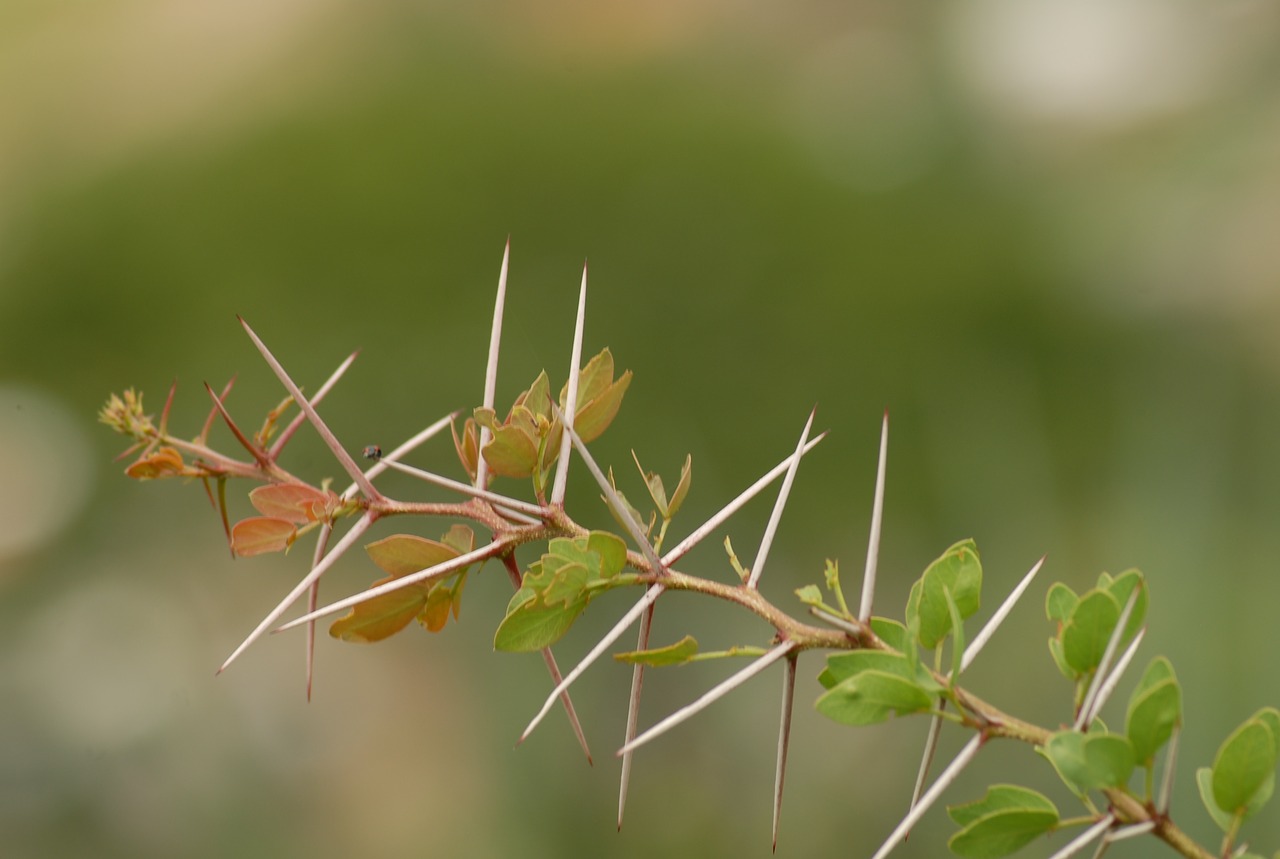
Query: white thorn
(571, 398)
(877, 514)
(980, 641)
(491, 368)
(776, 516)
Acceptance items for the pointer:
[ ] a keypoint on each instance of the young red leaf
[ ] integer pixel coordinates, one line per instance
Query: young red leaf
(402, 554)
(165, 462)
(261, 534)
(295, 502)
(381, 617)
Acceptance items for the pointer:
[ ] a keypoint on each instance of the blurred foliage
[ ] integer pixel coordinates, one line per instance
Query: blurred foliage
(1066, 299)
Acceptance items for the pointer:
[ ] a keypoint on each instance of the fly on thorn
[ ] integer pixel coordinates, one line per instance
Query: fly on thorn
(373, 451)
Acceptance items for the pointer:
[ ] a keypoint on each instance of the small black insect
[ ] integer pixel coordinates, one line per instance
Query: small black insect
(373, 451)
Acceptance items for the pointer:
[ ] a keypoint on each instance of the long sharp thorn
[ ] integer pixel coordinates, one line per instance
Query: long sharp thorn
(633, 709)
(1113, 679)
(633, 528)
(259, 455)
(413, 443)
(776, 516)
(466, 488)
(944, 781)
(710, 697)
(571, 398)
(1084, 839)
(347, 541)
(298, 419)
(168, 404)
(335, 447)
(926, 760)
(623, 624)
(322, 542)
(491, 368)
(425, 575)
(513, 571)
(1085, 716)
(1166, 780)
(980, 641)
(784, 736)
(700, 533)
(213, 413)
(877, 515)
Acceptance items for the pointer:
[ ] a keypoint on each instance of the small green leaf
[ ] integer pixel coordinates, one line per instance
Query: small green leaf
(743, 572)
(1000, 797)
(1091, 761)
(957, 635)
(1005, 820)
(612, 551)
(1244, 769)
(1060, 603)
(1155, 709)
(673, 654)
(682, 486)
(810, 595)
(1001, 833)
(872, 696)
(958, 570)
(533, 626)
(1085, 636)
(1055, 650)
(891, 633)
(1204, 782)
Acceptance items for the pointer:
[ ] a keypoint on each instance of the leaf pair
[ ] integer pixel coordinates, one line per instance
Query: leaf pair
(955, 577)
(1006, 819)
(284, 506)
(865, 687)
(528, 441)
(557, 588)
(1086, 622)
(430, 603)
(1243, 776)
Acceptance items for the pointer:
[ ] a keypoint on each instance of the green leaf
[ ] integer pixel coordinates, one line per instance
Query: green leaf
(810, 595)
(612, 551)
(872, 696)
(653, 482)
(533, 626)
(673, 654)
(842, 666)
(682, 486)
(1244, 769)
(1155, 709)
(1085, 636)
(1055, 650)
(1121, 587)
(1002, 822)
(1204, 782)
(538, 398)
(599, 396)
(957, 635)
(1001, 833)
(1091, 761)
(958, 570)
(1060, 603)
(891, 633)
(1000, 797)
(743, 572)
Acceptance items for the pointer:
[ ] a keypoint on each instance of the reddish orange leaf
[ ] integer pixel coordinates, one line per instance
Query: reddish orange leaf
(165, 462)
(295, 502)
(435, 614)
(381, 617)
(401, 554)
(261, 534)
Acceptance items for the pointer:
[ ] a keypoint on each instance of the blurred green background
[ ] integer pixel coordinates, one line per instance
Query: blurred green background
(1042, 235)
